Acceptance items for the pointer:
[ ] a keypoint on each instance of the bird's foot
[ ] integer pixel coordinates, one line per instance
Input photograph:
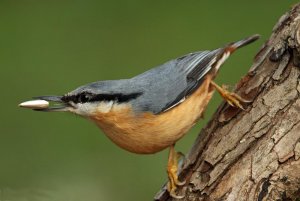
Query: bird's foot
(172, 170)
(232, 98)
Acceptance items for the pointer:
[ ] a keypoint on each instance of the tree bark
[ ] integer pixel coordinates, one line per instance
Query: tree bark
(253, 154)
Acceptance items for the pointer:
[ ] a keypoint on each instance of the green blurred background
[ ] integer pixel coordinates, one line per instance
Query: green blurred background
(51, 47)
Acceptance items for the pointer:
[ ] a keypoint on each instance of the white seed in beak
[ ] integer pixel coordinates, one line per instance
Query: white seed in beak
(35, 104)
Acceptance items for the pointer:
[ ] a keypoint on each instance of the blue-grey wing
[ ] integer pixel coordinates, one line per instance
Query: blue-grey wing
(169, 84)
(160, 88)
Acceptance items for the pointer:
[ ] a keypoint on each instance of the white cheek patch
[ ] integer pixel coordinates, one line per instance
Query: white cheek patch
(83, 109)
(87, 109)
(105, 107)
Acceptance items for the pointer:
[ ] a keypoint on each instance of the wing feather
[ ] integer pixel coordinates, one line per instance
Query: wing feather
(170, 84)
(197, 69)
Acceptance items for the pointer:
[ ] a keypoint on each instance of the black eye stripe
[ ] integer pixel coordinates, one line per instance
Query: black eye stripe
(89, 97)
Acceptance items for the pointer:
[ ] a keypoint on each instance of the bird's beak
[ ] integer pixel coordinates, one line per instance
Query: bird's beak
(42, 103)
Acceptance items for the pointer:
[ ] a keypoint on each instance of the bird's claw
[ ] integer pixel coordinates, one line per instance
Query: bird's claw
(172, 187)
(173, 194)
(232, 99)
(172, 170)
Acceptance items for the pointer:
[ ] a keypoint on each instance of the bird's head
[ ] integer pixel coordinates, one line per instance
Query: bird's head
(85, 100)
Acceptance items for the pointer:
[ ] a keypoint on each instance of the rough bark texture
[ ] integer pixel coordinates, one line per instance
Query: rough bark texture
(253, 154)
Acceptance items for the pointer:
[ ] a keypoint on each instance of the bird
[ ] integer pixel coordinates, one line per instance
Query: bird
(150, 112)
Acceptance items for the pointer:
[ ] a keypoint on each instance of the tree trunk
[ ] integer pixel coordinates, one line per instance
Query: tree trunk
(253, 154)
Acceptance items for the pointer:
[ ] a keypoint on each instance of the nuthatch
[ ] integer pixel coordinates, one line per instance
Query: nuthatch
(151, 111)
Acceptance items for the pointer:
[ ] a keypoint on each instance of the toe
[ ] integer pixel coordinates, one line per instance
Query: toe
(174, 195)
(180, 183)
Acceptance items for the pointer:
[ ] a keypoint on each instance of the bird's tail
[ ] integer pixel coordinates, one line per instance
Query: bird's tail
(230, 48)
(233, 46)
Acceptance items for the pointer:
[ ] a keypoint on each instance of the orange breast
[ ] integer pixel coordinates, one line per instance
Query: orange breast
(148, 133)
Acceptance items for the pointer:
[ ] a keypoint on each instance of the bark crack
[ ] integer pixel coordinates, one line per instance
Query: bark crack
(264, 190)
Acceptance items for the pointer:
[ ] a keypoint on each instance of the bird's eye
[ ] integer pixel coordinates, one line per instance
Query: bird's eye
(85, 97)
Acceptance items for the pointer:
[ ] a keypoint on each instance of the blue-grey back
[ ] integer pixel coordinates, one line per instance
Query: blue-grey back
(162, 87)
(167, 85)
(159, 88)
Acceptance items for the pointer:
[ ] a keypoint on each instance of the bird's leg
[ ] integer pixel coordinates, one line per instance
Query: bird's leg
(231, 98)
(172, 169)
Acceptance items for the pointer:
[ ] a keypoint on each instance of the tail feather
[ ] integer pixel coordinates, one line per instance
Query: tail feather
(233, 46)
